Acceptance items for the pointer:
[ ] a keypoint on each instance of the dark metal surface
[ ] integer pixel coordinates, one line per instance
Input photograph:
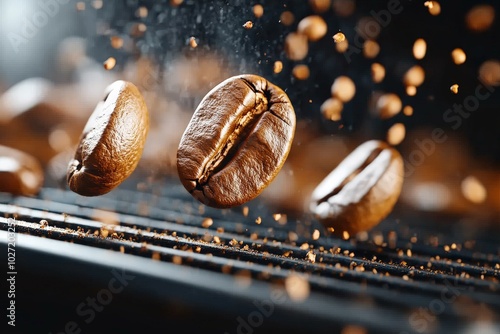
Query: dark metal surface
(218, 274)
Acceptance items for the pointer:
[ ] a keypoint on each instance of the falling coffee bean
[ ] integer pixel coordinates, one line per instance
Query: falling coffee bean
(236, 141)
(361, 191)
(20, 173)
(112, 141)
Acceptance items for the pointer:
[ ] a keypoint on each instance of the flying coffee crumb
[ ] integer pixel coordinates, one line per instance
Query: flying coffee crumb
(80, 6)
(293, 236)
(362, 236)
(109, 64)
(245, 211)
(137, 29)
(141, 27)
(313, 26)
(338, 37)
(342, 47)
(142, 12)
(207, 222)
(388, 105)
(278, 66)
(116, 42)
(473, 190)
(408, 110)
(311, 257)
(396, 134)
(287, 18)
(415, 76)
(419, 48)
(320, 6)
(458, 55)
(345, 235)
(283, 219)
(344, 8)
(192, 42)
(258, 11)
(301, 72)
(378, 72)
(454, 89)
(296, 46)
(331, 109)
(489, 72)
(411, 90)
(371, 49)
(480, 17)
(343, 88)
(316, 235)
(248, 25)
(258, 220)
(434, 7)
(97, 4)
(104, 232)
(243, 277)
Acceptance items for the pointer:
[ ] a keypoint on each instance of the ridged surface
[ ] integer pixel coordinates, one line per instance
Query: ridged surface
(400, 267)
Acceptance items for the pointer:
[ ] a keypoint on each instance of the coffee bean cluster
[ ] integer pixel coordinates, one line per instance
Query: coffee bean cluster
(234, 146)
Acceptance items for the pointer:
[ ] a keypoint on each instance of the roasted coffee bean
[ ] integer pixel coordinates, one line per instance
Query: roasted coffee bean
(361, 191)
(25, 109)
(112, 141)
(20, 173)
(236, 141)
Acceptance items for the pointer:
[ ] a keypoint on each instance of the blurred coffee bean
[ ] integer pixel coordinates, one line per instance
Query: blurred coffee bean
(26, 118)
(296, 46)
(20, 173)
(313, 26)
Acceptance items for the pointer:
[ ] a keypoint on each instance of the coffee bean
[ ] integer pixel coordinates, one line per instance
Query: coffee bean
(296, 46)
(112, 141)
(236, 141)
(313, 26)
(25, 109)
(361, 191)
(20, 173)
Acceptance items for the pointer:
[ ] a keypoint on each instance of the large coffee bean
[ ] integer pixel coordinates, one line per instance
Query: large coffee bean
(361, 191)
(112, 141)
(236, 141)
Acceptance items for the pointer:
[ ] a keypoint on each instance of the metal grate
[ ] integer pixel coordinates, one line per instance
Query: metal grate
(402, 277)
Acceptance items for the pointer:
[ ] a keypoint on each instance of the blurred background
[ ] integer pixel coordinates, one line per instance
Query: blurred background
(423, 75)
